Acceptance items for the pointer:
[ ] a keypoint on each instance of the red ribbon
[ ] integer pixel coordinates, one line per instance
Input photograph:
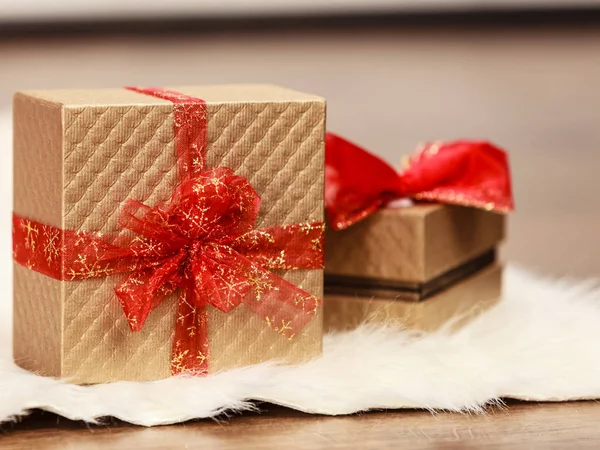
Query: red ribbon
(469, 173)
(201, 242)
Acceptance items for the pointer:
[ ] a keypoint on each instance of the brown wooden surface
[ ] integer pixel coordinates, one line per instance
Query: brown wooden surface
(533, 91)
(518, 425)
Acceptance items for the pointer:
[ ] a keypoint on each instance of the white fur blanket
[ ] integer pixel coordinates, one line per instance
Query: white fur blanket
(541, 342)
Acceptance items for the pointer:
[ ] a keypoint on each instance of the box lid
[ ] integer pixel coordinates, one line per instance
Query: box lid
(412, 244)
(224, 93)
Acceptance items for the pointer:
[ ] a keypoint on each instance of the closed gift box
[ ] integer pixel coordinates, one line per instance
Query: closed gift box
(81, 155)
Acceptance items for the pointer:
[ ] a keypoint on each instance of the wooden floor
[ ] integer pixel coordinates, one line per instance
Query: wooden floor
(515, 426)
(533, 91)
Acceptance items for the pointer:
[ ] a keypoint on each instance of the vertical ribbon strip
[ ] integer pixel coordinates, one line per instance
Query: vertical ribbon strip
(189, 126)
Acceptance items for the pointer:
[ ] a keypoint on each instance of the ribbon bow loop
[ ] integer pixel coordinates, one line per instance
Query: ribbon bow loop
(469, 173)
(214, 206)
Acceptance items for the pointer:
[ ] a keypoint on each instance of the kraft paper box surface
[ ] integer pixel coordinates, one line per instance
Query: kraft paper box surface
(456, 305)
(80, 154)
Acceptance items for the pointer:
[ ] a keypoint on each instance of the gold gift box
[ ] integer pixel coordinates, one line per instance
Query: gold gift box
(79, 154)
(420, 265)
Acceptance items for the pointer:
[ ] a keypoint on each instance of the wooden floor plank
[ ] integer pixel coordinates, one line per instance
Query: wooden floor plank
(516, 426)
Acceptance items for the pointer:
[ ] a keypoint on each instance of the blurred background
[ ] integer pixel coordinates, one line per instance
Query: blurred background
(523, 74)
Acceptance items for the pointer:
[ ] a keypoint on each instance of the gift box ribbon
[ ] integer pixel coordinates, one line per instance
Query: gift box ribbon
(469, 173)
(201, 242)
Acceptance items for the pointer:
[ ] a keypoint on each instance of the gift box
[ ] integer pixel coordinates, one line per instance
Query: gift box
(421, 261)
(160, 231)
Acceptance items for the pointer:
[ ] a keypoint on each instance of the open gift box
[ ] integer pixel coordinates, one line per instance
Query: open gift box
(420, 264)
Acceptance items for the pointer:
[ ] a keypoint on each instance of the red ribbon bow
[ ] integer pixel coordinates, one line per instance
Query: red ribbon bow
(469, 173)
(201, 242)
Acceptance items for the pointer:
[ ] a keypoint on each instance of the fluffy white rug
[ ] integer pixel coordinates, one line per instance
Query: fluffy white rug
(541, 342)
